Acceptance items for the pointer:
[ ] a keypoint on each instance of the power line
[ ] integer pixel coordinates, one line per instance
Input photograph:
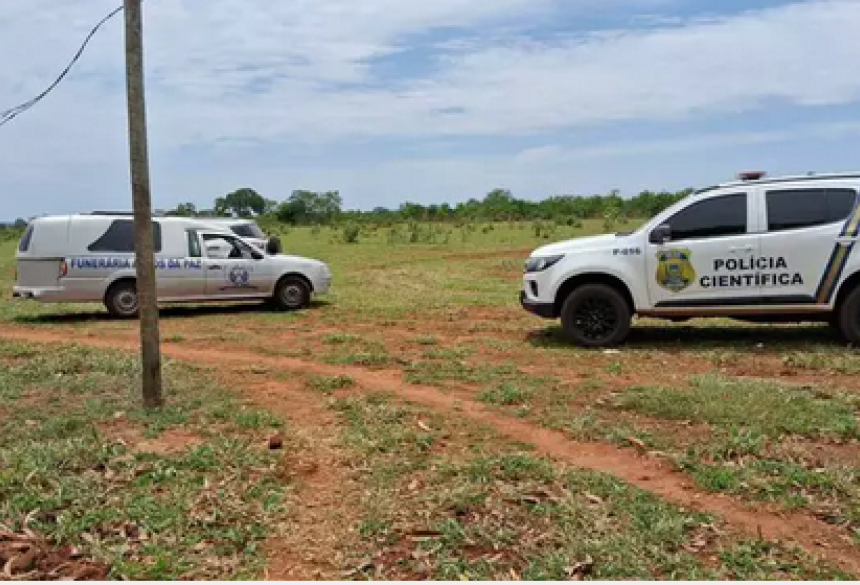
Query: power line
(8, 115)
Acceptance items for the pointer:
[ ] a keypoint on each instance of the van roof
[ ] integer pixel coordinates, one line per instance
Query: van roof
(92, 217)
(163, 215)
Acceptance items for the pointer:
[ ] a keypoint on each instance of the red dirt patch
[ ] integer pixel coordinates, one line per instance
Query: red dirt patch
(169, 442)
(32, 558)
(826, 541)
(322, 510)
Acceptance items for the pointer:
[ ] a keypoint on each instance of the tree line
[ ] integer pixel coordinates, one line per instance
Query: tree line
(326, 208)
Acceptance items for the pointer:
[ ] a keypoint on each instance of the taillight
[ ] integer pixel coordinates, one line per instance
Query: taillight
(64, 268)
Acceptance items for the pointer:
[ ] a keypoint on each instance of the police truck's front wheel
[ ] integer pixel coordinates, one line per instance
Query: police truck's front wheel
(121, 300)
(596, 315)
(848, 318)
(292, 293)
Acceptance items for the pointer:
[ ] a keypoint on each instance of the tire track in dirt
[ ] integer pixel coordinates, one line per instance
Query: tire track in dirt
(325, 507)
(311, 461)
(821, 539)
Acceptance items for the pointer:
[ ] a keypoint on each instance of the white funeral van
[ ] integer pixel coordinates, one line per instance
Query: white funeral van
(760, 249)
(90, 257)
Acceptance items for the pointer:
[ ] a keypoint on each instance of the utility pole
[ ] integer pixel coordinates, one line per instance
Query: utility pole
(143, 245)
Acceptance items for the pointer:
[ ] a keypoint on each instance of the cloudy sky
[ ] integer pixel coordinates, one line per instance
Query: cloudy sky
(395, 100)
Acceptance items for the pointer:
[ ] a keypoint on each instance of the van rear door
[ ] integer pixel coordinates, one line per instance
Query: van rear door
(35, 270)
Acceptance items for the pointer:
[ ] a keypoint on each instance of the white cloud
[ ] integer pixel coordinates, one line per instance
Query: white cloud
(264, 70)
(561, 155)
(301, 74)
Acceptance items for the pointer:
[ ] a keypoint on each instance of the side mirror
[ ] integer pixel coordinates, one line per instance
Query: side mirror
(273, 246)
(660, 234)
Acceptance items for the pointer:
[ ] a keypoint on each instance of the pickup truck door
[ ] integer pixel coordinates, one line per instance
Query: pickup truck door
(707, 255)
(234, 269)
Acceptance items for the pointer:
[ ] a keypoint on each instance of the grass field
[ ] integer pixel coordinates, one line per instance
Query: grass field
(430, 429)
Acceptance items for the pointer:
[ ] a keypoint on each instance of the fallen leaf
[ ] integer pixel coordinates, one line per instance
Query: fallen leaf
(424, 534)
(593, 499)
(131, 531)
(580, 570)
(638, 443)
(24, 561)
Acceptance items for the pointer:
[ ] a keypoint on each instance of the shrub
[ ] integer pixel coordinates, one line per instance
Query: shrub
(351, 233)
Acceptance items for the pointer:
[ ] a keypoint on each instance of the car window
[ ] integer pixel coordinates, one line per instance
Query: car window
(799, 208)
(24, 244)
(247, 230)
(711, 218)
(225, 247)
(194, 245)
(119, 237)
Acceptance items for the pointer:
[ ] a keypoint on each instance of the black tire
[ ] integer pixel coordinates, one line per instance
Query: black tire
(291, 294)
(596, 315)
(121, 300)
(848, 318)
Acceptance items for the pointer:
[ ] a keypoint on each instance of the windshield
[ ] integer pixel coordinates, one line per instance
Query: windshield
(248, 230)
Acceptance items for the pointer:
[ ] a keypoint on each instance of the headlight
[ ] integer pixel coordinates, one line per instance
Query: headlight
(541, 263)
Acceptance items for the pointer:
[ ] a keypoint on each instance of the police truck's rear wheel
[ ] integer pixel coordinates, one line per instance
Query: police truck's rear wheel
(292, 293)
(121, 300)
(595, 315)
(848, 319)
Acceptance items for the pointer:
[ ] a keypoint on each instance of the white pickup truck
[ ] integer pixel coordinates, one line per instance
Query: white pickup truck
(760, 249)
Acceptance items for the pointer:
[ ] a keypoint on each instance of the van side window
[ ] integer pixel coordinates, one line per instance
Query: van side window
(800, 208)
(194, 250)
(119, 238)
(711, 218)
(24, 244)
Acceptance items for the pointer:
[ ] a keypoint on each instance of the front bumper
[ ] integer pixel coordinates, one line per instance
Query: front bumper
(545, 310)
(323, 286)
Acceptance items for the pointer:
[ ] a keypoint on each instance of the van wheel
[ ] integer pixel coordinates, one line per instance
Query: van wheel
(848, 319)
(292, 293)
(121, 300)
(595, 315)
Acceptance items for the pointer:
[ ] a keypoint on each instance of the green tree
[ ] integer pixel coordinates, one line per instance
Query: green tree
(20, 223)
(499, 204)
(306, 207)
(185, 210)
(242, 202)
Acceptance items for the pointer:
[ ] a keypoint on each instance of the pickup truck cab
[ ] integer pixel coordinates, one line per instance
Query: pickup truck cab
(247, 229)
(759, 249)
(90, 258)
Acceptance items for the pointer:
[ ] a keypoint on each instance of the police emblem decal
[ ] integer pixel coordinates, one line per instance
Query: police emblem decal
(675, 271)
(239, 276)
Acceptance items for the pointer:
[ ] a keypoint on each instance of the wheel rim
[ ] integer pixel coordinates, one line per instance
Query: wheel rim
(293, 295)
(595, 319)
(126, 301)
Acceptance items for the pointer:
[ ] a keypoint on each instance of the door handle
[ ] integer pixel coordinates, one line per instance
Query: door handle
(215, 267)
(736, 249)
